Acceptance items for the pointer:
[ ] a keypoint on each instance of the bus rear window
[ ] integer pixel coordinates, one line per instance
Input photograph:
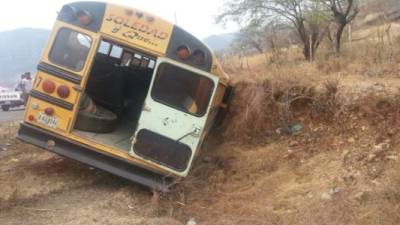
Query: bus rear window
(182, 89)
(70, 49)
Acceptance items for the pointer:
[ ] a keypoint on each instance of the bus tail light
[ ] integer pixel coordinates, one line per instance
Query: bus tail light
(63, 91)
(49, 86)
(199, 57)
(49, 111)
(85, 18)
(183, 52)
(31, 118)
(68, 12)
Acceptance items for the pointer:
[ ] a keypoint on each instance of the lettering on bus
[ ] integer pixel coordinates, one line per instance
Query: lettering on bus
(137, 31)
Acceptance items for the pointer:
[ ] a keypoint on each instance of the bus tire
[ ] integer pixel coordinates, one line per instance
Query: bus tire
(102, 121)
(5, 108)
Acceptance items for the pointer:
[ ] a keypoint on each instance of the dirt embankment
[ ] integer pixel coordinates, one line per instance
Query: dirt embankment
(313, 154)
(288, 154)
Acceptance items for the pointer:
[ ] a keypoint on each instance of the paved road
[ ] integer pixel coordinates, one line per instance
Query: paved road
(12, 115)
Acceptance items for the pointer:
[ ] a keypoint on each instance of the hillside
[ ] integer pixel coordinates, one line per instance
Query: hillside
(220, 42)
(20, 51)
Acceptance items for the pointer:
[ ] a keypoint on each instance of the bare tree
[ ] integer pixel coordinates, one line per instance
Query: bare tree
(343, 12)
(251, 37)
(305, 16)
(278, 36)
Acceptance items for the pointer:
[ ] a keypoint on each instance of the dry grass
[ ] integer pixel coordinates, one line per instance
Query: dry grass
(271, 96)
(329, 173)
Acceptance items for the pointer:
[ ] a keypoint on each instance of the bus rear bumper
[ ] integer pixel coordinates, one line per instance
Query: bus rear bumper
(90, 156)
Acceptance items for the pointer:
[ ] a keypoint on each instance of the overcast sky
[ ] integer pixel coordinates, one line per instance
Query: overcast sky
(195, 16)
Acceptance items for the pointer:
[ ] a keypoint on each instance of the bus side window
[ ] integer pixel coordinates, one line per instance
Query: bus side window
(145, 62)
(182, 89)
(70, 49)
(126, 59)
(104, 47)
(116, 51)
(152, 64)
(136, 60)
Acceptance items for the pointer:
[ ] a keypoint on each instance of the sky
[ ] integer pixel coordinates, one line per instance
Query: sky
(195, 16)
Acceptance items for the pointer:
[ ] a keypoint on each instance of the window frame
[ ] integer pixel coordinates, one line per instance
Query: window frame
(181, 109)
(126, 49)
(53, 45)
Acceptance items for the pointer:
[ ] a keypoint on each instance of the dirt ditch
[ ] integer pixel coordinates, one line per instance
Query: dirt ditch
(339, 166)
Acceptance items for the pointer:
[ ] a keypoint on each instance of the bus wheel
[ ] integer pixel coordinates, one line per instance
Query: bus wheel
(102, 121)
(5, 108)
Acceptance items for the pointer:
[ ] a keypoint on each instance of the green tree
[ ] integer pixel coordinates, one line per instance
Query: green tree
(306, 16)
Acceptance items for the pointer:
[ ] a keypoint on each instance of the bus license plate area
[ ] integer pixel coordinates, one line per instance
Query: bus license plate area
(46, 120)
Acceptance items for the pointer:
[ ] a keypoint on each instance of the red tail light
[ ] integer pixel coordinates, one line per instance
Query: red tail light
(49, 86)
(183, 52)
(68, 12)
(49, 111)
(63, 91)
(84, 17)
(31, 118)
(199, 57)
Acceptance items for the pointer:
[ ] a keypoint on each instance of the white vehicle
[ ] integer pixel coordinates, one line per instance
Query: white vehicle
(11, 99)
(2, 89)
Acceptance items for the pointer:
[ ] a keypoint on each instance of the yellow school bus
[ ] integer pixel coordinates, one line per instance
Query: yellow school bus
(126, 92)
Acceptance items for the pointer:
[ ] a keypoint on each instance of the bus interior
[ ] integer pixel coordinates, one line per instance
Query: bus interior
(115, 92)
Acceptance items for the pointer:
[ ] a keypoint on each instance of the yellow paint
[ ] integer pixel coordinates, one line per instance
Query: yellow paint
(137, 27)
(217, 70)
(57, 26)
(36, 106)
(219, 94)
(74, 95)
(131, 27)
(64, 117)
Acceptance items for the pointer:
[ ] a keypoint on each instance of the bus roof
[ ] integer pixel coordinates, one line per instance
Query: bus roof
(146, 31)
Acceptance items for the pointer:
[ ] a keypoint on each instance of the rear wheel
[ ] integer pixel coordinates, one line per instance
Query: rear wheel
(94, 118)
(5, 108)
